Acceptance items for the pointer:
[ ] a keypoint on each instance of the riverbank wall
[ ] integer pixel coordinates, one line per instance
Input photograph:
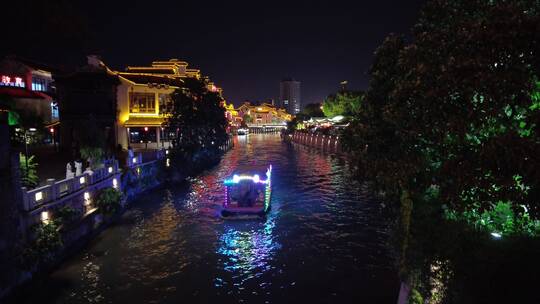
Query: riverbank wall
(34, 209)
(324, 143)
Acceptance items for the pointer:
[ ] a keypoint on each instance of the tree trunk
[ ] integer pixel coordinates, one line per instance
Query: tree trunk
(406, 211)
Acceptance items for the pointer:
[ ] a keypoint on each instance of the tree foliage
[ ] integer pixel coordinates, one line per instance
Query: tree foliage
(345, 103)
(312, 110)
(453, 115)
(457, 107)
(109, 200)
(28, 168)
(199, 116)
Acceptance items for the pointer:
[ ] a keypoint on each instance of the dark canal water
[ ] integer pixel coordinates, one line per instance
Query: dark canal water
(323, 242)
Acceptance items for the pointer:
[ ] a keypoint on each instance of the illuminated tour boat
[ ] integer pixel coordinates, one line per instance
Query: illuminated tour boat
(248, 193)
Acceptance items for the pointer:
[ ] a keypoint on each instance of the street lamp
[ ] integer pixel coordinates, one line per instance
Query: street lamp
(53, 138)
(146, 137)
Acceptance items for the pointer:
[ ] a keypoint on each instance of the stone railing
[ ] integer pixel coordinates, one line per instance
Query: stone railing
(55, 190)
(135, 160)
(326, 143)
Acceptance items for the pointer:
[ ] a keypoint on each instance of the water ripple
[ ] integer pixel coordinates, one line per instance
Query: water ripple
(323, 241)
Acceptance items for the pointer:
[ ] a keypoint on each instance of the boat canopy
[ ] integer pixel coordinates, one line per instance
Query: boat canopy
(256, 173)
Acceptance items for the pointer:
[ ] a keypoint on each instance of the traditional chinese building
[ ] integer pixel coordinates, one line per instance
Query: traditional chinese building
(234, 119)
(87, 93)
(142, 95)
(263, 114)
(136, 99)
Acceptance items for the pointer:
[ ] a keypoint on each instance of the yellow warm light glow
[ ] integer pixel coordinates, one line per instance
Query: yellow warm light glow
(124, 117)
(145, 115)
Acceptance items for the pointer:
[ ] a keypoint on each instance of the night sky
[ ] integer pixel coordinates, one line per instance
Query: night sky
(245, 47)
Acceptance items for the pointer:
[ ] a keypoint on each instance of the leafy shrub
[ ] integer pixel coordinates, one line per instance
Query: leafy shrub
(501, 218)
(47, 240)
(29, 176)
(66, 214)
(416, 297)
(108, 200)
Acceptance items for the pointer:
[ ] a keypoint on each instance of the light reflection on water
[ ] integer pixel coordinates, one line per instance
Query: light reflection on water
(324, 241)
(247, 251)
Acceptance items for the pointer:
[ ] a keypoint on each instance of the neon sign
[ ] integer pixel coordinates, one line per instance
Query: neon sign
(10, 81)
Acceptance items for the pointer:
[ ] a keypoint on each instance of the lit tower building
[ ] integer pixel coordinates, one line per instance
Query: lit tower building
(289, 93)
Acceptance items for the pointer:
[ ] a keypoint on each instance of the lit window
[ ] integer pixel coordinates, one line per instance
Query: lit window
(39, 84)
(142, 102)
(39, 196)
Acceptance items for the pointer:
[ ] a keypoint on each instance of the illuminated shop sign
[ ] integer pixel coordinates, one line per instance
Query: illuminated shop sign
(11, 81)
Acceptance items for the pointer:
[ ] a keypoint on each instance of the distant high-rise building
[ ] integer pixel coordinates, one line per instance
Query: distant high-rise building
(289, 95)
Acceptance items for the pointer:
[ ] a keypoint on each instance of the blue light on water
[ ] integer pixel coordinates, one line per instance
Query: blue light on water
(247, 251)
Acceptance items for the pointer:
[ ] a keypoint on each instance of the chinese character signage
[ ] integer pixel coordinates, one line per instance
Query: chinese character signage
(11, 81)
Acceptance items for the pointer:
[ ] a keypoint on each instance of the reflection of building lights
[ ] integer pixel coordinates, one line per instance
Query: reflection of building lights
(110, 169)
(39, 196)
(82, 180)
(167, 152)
(134, 160)
(45, 217)
(87, 201)
(115, 183)
(168, 162)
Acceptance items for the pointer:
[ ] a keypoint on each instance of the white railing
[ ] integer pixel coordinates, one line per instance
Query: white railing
(135, 160)
(328, 143)
(34, 198)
